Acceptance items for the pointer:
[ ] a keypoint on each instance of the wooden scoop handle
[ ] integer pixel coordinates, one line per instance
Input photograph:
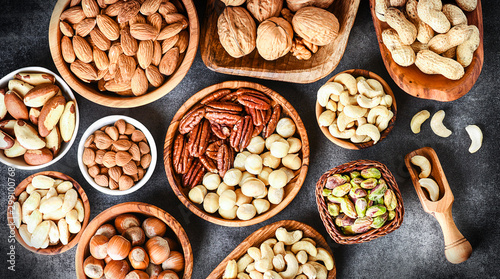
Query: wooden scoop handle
(457, 248)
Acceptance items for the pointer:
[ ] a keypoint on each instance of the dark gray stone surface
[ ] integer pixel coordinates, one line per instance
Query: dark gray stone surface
(416, 250)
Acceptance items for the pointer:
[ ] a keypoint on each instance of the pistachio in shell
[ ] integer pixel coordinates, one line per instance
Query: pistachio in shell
(237, 31)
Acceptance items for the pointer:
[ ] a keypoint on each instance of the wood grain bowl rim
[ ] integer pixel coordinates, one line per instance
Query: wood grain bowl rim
(116, 101)
(59, 248)
(268, 231)
(140, 208)
(347, 143)
(297, 181)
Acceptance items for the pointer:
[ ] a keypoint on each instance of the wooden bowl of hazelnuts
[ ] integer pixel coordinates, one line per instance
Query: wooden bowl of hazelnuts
(134, 240)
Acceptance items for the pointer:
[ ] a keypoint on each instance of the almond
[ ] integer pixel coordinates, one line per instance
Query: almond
(114, 52)
(123, 137)
(53, 141)
(128, 10)
(115, 173)
(73, 3)
(127, 67)
(140, 173)
(84, 27)
(89, 141)
(101, 59)
(144, 148)
(109, 160)
(137, 136)
(156, 20)
(112, 132)
(100, 41)
(104, 171)
(66, 29)
(101, 180)
(15, 106)
(67, 50)
(169, 61)
(15, 151)
(125, 182)
(176, 17)
(82, 49)
(122, 145)
(114, 8)
(145, 161)
(8, 126)
(6, 141)
(113, 185)
(67, 122)
(143, 31)
(88, 157)
(150, 6)
(167, 8)
(99, 156)
(145, 53)
(90, 8)
(73, 15)
(83, 70)
(129, 129)
(170, 31)
(121, 125)
(102, 140)
(139, 83)
(38, 157)
(183, 41)
(128, 43)
(138, 18)
(93, 171)
(169, 43)
(130, 168)
(122, 158)
(135, 152)
(154, 76)
(33, 115)
(27, 136)
(102, 4)
(40, 94)
(18, 86)
(108, 27)
(50, 114)
(156, 53)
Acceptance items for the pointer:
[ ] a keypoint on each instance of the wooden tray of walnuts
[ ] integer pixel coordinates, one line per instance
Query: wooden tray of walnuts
(295, 60)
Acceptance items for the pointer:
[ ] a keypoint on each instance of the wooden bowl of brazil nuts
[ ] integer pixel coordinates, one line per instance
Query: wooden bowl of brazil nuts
(161, 85)
(295, 178)
(59, 247)
(143, 211)
(347, 143)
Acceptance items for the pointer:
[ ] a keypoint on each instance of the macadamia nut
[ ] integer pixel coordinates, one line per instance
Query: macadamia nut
(275, 195)
(285, 127)
(272, 138)
(257, 145)
(277, 179)
(245, 176)
(264, 175)
(241, 198)
(269, 160)
(292, 161)
(253, 187)
(227, 200)
(223, 187)
(197, 194)
(253, 164)
(229, 214)
(295, 145)
(233, 177)
(279, 148)
(261, 205)
(263, 195)
(246, 212)
(289, 173)
(211, 203)
(211, 180)
(239, 160)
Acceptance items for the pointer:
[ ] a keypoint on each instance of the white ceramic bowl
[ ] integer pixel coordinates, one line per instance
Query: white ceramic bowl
(109, 120)
(65, 146)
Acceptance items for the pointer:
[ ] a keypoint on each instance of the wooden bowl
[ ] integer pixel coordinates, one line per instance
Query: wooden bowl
(266, 232)
(329, 222)
(345, 143)
(286, 68)
(74, 239)
(144, 209)
(291, 189)
(91, 92)
(434, 87)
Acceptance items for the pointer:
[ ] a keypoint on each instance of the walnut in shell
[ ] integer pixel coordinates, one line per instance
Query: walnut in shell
(295, 5)
(233, 2)
(274, 38)
(237, 31)
(264, 9)
(316, 25)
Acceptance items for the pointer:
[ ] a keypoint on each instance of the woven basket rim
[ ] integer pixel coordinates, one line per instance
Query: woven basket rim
(329, 222)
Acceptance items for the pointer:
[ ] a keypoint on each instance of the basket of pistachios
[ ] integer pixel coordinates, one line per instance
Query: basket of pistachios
(359, 201)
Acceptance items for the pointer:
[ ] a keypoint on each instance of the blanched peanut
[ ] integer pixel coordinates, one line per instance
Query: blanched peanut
(257, 145)
(211, 180)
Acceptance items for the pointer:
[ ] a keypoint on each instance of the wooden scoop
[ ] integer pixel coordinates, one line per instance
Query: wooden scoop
(457, 248)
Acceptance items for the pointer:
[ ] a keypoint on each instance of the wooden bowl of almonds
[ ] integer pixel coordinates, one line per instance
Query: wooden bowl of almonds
(117, 155)
(125, 54)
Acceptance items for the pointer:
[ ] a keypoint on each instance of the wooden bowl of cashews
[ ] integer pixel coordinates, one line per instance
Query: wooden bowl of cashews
(356, 109)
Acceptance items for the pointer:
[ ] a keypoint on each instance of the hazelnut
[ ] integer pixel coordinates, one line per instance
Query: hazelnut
(211, 203)
(153, 270)
(93, 267)
(246, 212)
(232, 177)
(154, 227)
(279, 148)
(269, 160)
(274, 38)
(256, 145)
(135, 235)
(99, 246)
(278, 179)
(172, 243)
(197, 194)
(211, 181)
(116, 269)
(158, 249)
(137, 274)
(168, 274)
(126, 221)
(264, 175)
(292, 161)
(285, 127)
(138, 258)
(239, 160)
(223, 187)
(237, 31)
(118, 247)
(261, 205)
(253, 187)
(175, 262)
(253, 164)
(295, 145)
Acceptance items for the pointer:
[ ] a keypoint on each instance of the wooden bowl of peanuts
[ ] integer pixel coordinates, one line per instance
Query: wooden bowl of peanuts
(352, 99)
(125, 54)
(48, 212)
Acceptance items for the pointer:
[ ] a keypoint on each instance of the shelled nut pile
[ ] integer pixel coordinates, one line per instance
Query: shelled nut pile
(48, 212)
(289, 255)
(128, 248)
(42, 118)
(117, 156)
(359, 201)
(220, 153)
(128, 47)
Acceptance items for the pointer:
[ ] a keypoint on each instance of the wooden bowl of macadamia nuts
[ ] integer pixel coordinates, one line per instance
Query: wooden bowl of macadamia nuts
(355, 109)
(236, 153)
(134, 240)
(48, 212)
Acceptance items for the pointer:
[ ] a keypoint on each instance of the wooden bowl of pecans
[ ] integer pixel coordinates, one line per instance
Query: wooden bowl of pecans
(117, 155)
(125, 54)
(215, 153)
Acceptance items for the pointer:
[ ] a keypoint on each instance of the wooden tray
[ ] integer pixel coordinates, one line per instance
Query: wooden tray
(260, 235)
(345, 143)
(291, 189)
(82, 252)
(434, 87)
(286, 68)
(74, 239)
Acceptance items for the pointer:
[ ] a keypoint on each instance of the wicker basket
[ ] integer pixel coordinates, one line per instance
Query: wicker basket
(329, 222)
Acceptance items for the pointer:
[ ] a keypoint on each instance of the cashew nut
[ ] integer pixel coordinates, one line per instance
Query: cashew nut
(302, 257)
(354, 111)
(254, 253)
(325, 257)
(348, 81)
(370, 91)
(242, 275)
(386, 101)
(343, 120)
(289, 238)
(377, 112)
(326, 118)
(476, 137)
(231, 270)
(331, 105)
(383, 122)
(308, 239)
(369, 130)
(279, 263)
(306, 246)
(437, 125)
(243, 262)
(346, 134)
(279, 248)
(264, 264)
(271, 274)
(321, 271)
(366, 102)
(292, 266)
(431, 186)
(360, 139)
(423, 164)
(418, 119)
(254, 274)
(271, 242)
(309, 270)
(346, 99)
(328, 89)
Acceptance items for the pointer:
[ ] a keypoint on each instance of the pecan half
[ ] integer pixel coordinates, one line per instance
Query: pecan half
(182, 160)
(223, 118)
(231, 97)
(271, 125)
(217, 95)
(258, 116)
(224, 159)
(241, 134)
(191, 119)
(213, 149)
(194, 175)
(208, 163)
(254, 99)
(198, 139)
(221, 131)
(257, 130)
(225, 106)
